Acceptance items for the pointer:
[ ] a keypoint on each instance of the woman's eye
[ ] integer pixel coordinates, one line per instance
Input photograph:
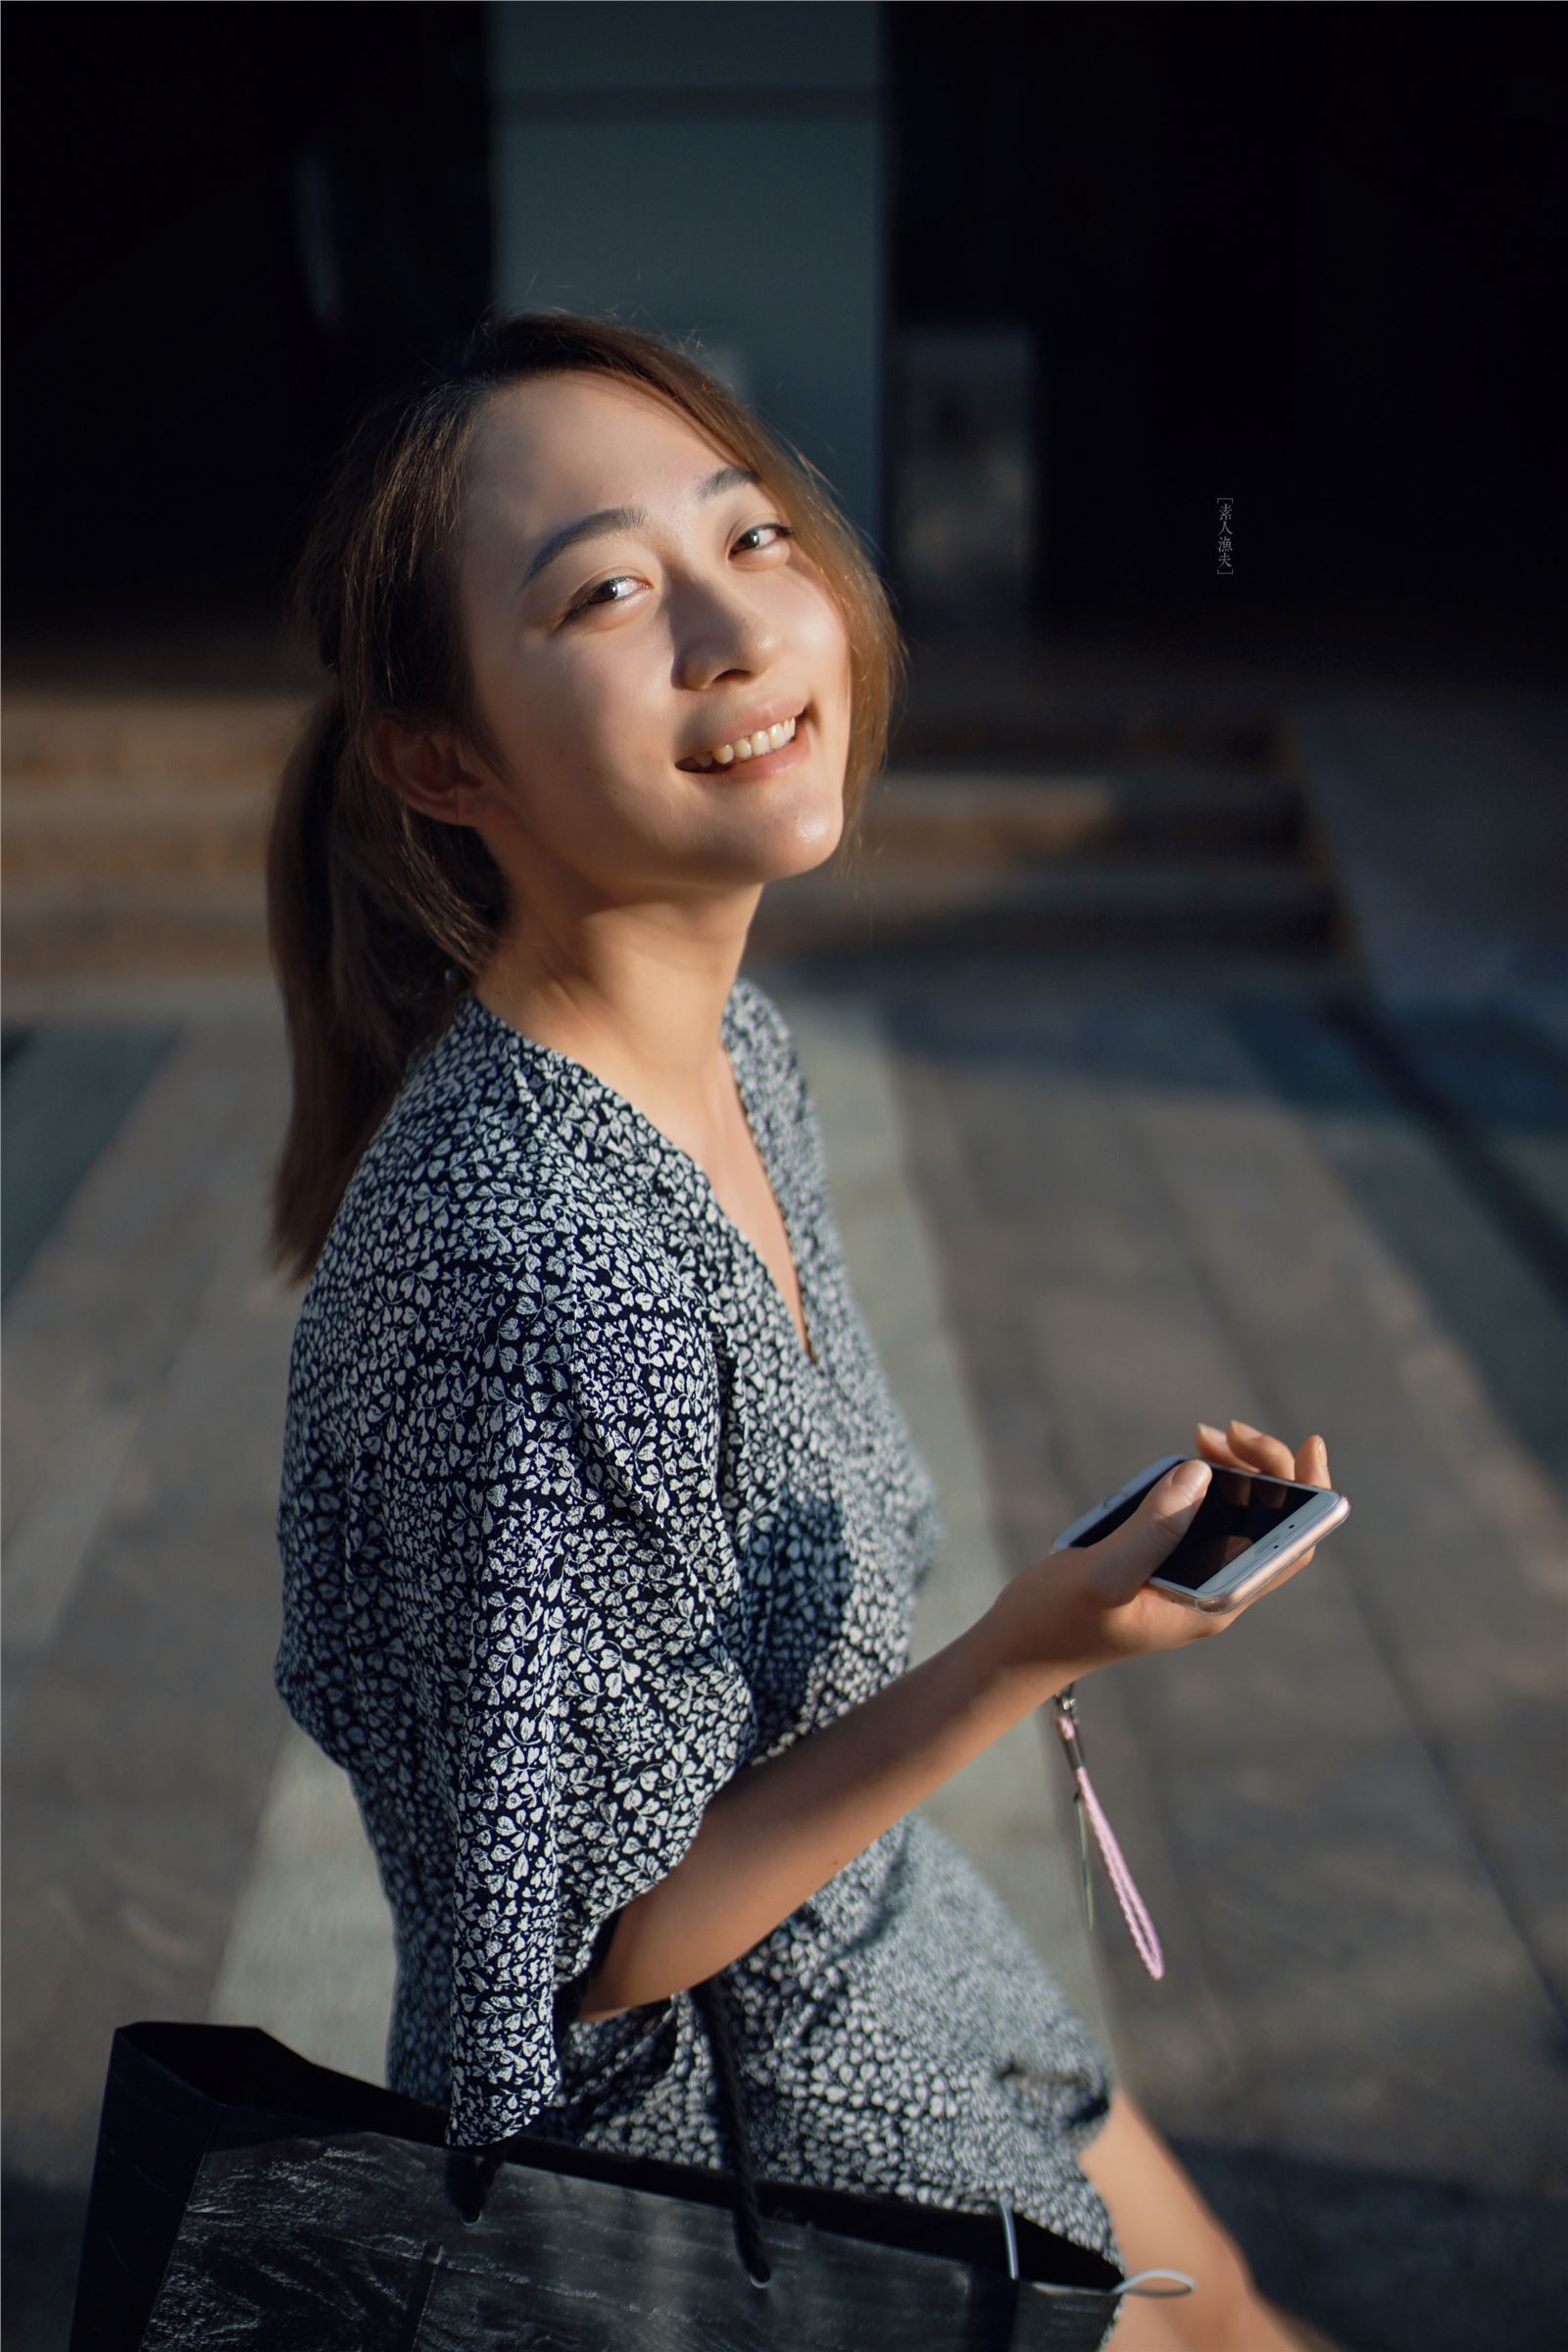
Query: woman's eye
(596, 595)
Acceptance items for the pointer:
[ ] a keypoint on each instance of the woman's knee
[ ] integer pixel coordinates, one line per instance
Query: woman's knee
(1225, 2307)
(1145, 2327)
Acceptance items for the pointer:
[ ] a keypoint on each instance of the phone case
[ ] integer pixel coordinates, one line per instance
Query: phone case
(1260, 1566)
(1268, 1560)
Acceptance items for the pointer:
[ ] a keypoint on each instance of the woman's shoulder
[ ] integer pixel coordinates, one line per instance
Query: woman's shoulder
(775, 1058)
(782, 1080)
(465, 1207)
(758, 1017)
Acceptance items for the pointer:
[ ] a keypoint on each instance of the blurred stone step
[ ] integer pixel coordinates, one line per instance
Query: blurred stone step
(181, 742)
(1012, 717)
(65, 829)
(1004, 817)
(68, 930)
(135, 834)
(132, 827)
(94, 929)
(1087, 904)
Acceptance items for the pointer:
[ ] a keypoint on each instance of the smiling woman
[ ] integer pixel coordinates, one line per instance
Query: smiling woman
(490, 700)
(601, 1527)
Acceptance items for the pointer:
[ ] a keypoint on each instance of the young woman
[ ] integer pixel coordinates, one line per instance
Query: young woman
(601, 1529)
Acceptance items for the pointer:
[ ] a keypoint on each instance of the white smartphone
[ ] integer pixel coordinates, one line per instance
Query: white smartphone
(1244, 1534)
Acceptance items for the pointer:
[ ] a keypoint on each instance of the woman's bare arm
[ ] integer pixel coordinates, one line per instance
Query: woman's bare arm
(776, 1833)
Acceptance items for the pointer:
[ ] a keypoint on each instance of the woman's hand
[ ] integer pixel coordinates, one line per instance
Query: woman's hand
(1094, 1602)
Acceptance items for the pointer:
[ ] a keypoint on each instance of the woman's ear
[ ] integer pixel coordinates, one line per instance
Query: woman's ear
(423, 766)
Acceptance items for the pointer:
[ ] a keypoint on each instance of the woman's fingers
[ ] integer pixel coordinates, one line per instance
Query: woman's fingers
(1262, 1451)
(1240, 1446)
(1312, 1463)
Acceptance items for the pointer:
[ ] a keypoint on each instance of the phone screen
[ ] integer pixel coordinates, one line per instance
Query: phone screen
(1238, 1508)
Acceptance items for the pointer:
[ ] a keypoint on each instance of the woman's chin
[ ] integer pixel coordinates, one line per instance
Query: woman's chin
(788, 842)
(805, 836)
(804, 856)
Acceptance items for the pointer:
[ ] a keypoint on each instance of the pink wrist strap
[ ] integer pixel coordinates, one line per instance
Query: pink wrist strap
(1139, 1924)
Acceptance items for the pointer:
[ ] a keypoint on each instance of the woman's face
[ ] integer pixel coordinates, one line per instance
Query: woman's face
(628, 651)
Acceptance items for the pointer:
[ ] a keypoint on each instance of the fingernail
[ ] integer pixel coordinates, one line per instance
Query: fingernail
(1190, 1480)
(1246, 1428)
(1206, 1429)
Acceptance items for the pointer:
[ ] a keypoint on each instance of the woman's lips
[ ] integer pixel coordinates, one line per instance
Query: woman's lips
(769, 764)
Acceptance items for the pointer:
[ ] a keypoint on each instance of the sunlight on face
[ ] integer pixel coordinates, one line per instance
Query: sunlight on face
(695, 624)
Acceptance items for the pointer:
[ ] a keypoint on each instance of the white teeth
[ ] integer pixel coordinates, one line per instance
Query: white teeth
(751, 747)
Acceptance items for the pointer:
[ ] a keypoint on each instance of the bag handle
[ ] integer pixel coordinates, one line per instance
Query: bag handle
(713, 2000)
(471, 2172)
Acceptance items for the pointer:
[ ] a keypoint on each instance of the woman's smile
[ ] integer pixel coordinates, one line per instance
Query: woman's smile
(755, 767)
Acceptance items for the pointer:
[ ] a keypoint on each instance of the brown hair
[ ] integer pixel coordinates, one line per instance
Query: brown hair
(379, 917)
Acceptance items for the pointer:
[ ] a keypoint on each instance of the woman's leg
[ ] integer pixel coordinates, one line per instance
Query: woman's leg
(1145, 2326)
(1161, 2223)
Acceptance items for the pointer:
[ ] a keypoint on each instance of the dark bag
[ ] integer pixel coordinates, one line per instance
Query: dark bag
(244, 2197)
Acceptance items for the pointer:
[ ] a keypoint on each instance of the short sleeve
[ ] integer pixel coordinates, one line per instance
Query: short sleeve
(603, 1703)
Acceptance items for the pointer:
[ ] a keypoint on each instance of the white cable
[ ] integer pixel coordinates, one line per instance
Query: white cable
(1157, 2294)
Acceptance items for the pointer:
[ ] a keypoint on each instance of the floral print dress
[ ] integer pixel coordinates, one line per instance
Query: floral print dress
(572, 1530)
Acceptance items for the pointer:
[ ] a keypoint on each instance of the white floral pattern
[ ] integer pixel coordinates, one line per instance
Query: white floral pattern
(572, 1530)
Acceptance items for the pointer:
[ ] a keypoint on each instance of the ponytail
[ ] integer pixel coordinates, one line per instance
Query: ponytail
(365, 981)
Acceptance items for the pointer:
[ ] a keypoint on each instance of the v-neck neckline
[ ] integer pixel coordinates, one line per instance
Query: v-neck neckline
(808, 1353)
(669, 1163)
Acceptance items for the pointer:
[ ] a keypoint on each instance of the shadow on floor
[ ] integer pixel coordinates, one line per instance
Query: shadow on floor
(1391, 2264)
(42, 2251)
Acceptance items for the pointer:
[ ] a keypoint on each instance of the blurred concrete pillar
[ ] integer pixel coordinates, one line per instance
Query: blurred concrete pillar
(964, 512)
(709, 171)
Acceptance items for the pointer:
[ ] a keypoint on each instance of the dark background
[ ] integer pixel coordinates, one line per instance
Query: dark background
(174, 391)
(1312, 257)
(1309, 257)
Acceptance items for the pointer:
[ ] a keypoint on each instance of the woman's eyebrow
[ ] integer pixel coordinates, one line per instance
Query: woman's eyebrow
(626, 518)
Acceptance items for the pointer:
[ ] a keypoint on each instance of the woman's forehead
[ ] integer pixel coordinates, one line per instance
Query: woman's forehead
(555, 449)
(554, 437)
